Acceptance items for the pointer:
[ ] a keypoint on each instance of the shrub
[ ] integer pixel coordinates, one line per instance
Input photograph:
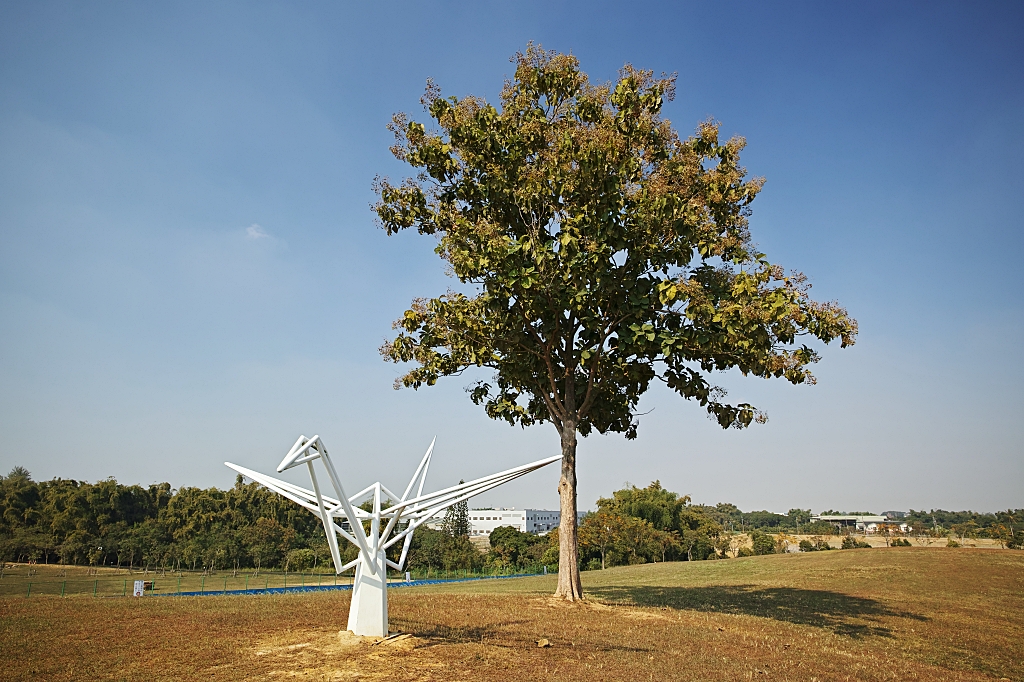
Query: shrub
(901, 542)
(818, 545)
(807, 546)
(745, 551)
(300, 559)
(850, 543)
(952, 543)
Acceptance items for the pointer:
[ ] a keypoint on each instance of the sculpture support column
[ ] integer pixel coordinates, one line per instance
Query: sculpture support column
(368, 613)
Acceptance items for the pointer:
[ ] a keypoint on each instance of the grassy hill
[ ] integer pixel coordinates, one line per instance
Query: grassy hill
(900, 613)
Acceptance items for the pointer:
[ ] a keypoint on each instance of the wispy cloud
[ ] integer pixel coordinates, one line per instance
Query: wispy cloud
(254, 231)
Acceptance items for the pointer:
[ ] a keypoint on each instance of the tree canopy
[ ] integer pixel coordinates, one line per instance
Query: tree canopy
(603, 251)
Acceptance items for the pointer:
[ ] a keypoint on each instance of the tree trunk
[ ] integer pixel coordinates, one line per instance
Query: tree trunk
(569, 585)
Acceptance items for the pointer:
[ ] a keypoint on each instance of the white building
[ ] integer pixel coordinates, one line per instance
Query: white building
(536, 521)
(483, 521)
(868, 523)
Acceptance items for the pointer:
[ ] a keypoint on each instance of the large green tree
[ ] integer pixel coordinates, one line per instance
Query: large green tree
(603, 252)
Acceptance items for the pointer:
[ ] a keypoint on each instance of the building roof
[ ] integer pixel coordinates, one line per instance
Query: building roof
(858, 518)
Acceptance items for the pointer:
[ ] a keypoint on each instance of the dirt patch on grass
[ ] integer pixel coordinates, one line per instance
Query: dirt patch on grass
(338, 657)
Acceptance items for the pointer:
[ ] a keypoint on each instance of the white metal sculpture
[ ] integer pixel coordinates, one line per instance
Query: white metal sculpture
(368, 614)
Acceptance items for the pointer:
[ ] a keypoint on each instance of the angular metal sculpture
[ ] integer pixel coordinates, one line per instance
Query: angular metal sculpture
(368, 614)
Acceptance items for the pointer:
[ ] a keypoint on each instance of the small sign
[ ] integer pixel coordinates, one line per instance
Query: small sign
(408, 578)
(140, 588)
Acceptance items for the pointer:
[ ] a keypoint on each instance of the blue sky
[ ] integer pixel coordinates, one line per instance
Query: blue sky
(190, 272)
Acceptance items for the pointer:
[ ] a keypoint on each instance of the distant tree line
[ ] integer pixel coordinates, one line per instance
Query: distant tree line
(110, 524)
(107, 523)
(1004, 526)
(731, 518)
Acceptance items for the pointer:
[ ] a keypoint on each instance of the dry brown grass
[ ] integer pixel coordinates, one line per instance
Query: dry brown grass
(20, 580)
(908, 614)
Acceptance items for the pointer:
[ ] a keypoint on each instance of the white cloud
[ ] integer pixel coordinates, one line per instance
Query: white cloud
(254, 231)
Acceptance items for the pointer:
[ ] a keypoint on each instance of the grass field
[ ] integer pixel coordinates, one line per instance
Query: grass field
(23, 580)
(905, 614)
(73, 581)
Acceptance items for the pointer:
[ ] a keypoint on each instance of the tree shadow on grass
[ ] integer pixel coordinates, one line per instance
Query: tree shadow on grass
(840, 613)
(449, 633)
(503, 635)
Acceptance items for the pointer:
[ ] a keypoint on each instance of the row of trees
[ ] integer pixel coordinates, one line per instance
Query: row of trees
(730, 517)
(107, 523)
(110, 524)
(1005, 526)
(937, 522)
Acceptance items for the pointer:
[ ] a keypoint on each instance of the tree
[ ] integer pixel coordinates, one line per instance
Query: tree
(798, 516)
(850, 543)
(511, 548)
(968, 529)
(700, 533)
(621, 537)
(818, 528)
(321, 550)
(762, 543)
(654, 504)
(453, 548)
(602, 252)
(264, 539)
(601, 532)
(669, 542)
(456, 519)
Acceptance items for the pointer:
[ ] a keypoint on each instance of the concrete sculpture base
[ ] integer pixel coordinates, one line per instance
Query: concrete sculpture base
(368, 613)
